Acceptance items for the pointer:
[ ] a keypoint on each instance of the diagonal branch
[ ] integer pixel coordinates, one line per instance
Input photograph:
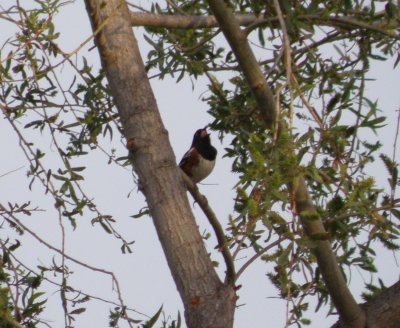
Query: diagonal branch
(256, 256)
(350, 312)
(219, 231)
(246, 59)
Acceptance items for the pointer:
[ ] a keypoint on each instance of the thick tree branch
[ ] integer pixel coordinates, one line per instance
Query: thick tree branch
(350, 312)
(252, 21)
(383, 310)
(208, 302)
(181, 21)
(246, 59)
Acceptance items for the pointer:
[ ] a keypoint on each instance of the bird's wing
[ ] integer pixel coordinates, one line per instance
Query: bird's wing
(186, 158)
(189, 160)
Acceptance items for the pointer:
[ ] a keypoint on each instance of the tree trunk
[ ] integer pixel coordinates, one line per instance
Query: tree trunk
(383, 311)
(208, 302)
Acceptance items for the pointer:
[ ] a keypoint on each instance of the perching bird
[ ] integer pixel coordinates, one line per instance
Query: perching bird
(199, 160)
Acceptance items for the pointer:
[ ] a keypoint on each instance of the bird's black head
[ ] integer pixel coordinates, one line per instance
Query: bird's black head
(201, 137)
(202, 142)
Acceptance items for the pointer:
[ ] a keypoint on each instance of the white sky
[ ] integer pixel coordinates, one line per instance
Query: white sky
(144, 276)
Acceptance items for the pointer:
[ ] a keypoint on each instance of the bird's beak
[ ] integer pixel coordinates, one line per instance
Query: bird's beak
(204, 132)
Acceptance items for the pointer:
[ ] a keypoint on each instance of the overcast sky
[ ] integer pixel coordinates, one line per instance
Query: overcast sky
(144, 276)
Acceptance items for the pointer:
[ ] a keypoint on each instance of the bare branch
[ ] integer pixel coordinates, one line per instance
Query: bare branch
(70, 288)
(246, 59)
(18, 222)
(12, 171)
(253, 21)
(394, 155)
(256, 256)
(219, 231)
(181, 21)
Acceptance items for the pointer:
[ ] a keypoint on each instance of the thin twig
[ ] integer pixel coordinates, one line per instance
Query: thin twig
(256, 256)
(394, 183)
(72, 259)
(310, 108)
(80, 292)
(12, 171)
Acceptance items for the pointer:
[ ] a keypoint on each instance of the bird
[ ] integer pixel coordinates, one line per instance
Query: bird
(199, 161)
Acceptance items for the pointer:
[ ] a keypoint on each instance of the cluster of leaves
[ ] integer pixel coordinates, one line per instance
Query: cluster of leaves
(20, 301)
(74, 116)
(118, 313)
(333, 130)
(181, 52)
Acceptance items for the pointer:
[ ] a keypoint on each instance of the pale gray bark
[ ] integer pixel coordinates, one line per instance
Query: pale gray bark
(252, 21)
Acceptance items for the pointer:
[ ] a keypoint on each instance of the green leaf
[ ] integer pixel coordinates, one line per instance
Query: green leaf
(15, 246)
(332, 103)
(77, 311)
(59, 177)
(105, 227)
(283, 259)
(144, 211)
(65, 186)
(79, 168)
(373, 124)
(150, 323)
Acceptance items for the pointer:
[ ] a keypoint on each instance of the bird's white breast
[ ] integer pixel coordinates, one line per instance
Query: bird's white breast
(202, 170)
